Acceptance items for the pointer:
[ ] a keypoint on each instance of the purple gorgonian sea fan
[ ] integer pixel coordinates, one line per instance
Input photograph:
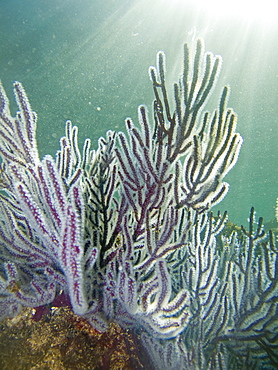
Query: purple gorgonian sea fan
(125, 231)
(42, 215)
(69, 224)
(140, 187)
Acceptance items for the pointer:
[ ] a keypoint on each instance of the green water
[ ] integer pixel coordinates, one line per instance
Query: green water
(88, 61)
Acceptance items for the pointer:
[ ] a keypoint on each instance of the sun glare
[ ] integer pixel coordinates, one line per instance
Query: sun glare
(264, 10)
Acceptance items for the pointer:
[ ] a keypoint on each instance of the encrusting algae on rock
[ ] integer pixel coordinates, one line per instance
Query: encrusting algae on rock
(64, 341)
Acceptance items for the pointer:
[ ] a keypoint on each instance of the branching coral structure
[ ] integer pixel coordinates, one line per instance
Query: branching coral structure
(126, 234)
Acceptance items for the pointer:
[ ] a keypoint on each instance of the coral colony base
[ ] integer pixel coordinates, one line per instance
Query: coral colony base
(125, 232)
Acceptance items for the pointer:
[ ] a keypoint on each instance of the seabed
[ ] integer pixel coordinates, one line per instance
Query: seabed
(64, 341)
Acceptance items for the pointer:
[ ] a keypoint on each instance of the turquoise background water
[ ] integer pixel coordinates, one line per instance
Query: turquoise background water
(88, 61)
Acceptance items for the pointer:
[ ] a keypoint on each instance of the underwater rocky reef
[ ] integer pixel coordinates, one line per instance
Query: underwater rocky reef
(124, 235)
